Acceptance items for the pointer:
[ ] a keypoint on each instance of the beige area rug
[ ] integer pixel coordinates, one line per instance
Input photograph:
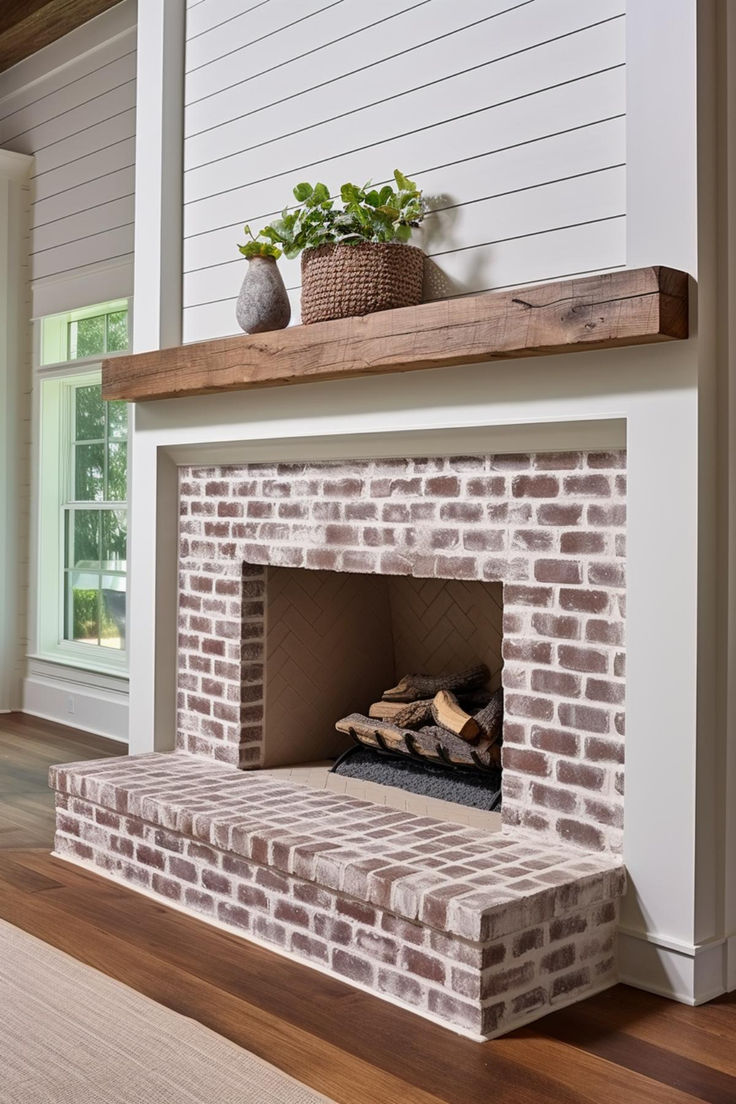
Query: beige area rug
(71, 1035)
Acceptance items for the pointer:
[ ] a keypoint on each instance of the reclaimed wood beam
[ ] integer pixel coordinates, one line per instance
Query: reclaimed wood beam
(626, 307)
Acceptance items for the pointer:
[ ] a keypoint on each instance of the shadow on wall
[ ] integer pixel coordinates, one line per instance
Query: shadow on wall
(436, 236)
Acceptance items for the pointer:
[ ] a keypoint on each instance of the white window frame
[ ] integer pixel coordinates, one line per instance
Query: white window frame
(56, 381)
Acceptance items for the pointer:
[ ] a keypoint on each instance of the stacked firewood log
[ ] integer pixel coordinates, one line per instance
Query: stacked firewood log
(452, 719)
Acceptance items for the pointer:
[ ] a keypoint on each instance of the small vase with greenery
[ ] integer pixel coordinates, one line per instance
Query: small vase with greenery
(263, 303)
(355, 253)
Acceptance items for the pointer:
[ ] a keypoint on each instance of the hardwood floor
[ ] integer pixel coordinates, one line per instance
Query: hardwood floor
(621, 1047)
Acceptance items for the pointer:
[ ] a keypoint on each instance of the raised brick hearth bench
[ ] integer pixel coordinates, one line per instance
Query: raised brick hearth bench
(481, 931)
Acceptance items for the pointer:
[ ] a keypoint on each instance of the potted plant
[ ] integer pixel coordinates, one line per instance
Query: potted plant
(263, 303)
(355, 253)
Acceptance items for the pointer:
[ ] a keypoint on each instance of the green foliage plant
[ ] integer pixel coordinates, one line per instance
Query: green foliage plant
(367, 214)
(257, 248)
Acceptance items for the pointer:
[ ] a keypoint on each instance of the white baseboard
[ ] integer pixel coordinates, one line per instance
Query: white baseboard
(690, 974)
(94, 709)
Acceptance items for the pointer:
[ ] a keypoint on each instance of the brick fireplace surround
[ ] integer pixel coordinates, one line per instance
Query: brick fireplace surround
(482, 931)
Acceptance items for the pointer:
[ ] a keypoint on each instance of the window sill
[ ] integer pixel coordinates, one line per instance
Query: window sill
(75, 663)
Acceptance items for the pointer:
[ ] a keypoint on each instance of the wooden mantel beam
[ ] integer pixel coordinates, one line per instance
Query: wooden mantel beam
(625, 307)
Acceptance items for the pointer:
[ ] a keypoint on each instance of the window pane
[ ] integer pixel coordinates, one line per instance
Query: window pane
(117, 331)
(117, 465)
(113, 619)
(114, 539)
(85, 607)
(89, 461)
(89, 413)
(87, 337)
(117, 419)
(85, 551)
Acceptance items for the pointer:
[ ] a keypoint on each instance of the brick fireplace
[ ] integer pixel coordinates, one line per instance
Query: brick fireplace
(548, 530)
(479, 930)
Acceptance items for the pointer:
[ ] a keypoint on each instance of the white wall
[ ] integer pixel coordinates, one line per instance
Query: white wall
(72, 105)
(510, 113)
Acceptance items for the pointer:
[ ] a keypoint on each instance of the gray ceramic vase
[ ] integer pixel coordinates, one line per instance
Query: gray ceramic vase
(263, 303)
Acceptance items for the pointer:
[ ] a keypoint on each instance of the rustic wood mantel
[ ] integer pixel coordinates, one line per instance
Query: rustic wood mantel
(626, 307)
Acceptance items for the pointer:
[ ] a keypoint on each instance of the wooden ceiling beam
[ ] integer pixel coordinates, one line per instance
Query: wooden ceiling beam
(28, 25)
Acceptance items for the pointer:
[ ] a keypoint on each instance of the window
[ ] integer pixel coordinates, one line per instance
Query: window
(83, 523)
(86, 334)
(95, 519)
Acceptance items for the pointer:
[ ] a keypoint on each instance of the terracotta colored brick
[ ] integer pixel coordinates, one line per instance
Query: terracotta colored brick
(352, 967)
(607, 574)
(584, 717)
(555, 513)
(549, 624)
(588, 485)
(523, 705)
(604, 751)
(556, 682)
(557, 960)
(516, 595)
(555, 740)
(584, 835)
(557, 571)
(533, 540)
(526, 651)
(525, 941)
(535, 486)
(582, 659)
(551, 797)
(584, 601)
(603, 691)
(581, 774)
(604, 632)
(526, 760)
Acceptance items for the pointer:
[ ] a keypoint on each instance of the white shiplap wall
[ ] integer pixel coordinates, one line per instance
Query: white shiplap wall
(510, 113)
(72, 106)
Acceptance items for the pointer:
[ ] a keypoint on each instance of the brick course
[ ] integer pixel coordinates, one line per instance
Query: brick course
(550, 527)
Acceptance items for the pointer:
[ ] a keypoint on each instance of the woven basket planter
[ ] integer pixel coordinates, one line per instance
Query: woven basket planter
(341, 281)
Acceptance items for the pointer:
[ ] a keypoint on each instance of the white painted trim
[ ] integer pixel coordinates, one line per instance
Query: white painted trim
(159, 175)
(15, 166)
(96, 283)
(661, 147)
(68, 702)
(14, 171)
(689, 973)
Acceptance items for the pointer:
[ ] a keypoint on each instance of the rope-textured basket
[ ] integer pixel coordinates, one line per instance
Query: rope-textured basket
(340, 281)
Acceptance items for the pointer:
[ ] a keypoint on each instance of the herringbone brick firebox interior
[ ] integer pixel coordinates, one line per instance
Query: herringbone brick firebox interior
(305, 590)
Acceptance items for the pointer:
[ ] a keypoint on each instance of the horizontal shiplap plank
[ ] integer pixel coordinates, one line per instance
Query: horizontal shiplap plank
(78, 121)
(595, 196)
(573, 152)
(112, 244)
(318, 81)
(415, 85)
(509, 124)
(93, 141)
(50, 107)
(118, 156)
(268, 30)
(86, 194)
(436, 108)
(592, 247)
(93, 220)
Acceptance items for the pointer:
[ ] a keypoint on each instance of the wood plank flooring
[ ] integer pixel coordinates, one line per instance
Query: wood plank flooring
(621, 1047)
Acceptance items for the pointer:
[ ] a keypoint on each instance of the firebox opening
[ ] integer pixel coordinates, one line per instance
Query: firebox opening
(337, 642)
